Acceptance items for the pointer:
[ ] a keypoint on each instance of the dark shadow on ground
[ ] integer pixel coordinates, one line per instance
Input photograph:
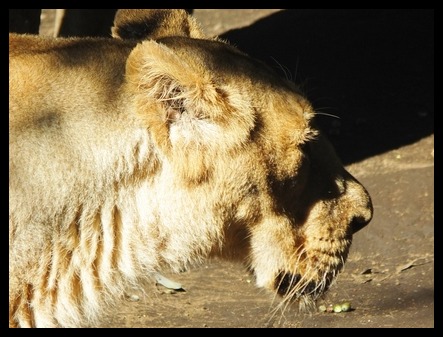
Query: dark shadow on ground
(372, 68)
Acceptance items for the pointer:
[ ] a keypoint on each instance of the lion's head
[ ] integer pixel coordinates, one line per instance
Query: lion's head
(242, 145)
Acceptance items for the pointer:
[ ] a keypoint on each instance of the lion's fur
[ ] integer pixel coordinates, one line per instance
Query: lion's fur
(139, 24)
(125, 159)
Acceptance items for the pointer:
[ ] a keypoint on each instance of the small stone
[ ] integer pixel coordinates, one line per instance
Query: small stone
(345, 306)
(337, 308)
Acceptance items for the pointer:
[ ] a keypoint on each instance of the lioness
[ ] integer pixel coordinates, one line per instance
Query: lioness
(128, 158)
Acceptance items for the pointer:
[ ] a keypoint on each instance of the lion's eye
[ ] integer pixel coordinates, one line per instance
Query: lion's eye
(290, 184)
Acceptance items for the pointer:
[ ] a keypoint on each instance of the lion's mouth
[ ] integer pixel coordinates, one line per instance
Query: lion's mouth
(294, 286)
(316, 273)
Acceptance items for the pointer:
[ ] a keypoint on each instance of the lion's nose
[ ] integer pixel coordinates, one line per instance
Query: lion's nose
(363, 209)
(358, 223)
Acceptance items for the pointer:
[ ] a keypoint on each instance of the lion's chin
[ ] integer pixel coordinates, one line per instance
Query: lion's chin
(296, 287)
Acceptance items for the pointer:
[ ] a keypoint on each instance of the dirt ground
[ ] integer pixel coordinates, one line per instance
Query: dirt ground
(374, 69)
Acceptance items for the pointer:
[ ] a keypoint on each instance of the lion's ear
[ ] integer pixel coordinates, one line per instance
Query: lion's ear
(142, 24)
(187, 112)
(162, 76)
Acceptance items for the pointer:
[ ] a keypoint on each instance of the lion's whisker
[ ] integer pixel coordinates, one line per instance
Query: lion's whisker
(326, 114)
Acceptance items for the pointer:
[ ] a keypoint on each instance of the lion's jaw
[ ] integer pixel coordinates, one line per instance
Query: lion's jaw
(300, 258)
(300, 247)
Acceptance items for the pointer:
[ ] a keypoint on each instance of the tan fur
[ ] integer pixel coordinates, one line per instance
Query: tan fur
(127, 159)
(140, 24)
